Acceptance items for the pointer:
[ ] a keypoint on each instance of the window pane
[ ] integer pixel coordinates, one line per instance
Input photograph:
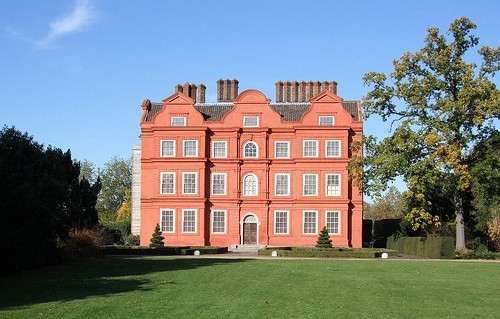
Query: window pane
(281, 222)
(167, 148)
(167, 183)
(218, 221)
(189, 221)
(310, 222)
(310, 184)
(178, 121)
(190, 148)
(219, 184)
(219, 149)
(250, 185)
(251, 121)
(250, 150)
(333, 185)
(333, 148)
(333, 222)
(282, 184)
(281, 149)
(326, 120)
(310, 148)
(189, 183)
(167, 221)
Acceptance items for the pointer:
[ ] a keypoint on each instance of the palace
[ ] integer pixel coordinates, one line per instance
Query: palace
(245, 170)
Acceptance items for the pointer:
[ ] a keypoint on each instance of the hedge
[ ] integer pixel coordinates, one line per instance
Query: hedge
(326, 252)
(432, 247)
(163, 251)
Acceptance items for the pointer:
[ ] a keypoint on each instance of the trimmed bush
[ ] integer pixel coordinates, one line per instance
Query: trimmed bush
(432, 247)
(162, 251)
(157, 238)
(327, 252)
(324, 240)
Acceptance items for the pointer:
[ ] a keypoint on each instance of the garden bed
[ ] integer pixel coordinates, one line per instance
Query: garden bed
(337, 252)
(163, 251)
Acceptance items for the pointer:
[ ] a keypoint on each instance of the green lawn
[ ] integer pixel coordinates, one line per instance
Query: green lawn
(167, 287)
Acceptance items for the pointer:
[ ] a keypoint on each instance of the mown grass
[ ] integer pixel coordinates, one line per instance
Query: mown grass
(167, 287)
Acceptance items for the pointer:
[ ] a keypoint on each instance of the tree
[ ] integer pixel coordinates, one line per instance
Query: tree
(116, 180)
(324, 240)
(389, 206)
(40, 200)
(157, 238)
(448, 105)
(125, 211)
(485, 172)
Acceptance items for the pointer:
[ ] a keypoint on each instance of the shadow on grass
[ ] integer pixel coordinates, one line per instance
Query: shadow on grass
(79, 280)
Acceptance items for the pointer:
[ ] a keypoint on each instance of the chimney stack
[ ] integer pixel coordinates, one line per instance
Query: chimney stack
(201, 93)
(333, 87)
(279, 91)
(287, 91)
(227, 90)
(295, 91)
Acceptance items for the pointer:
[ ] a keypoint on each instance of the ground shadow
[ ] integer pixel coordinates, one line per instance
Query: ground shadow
(101, 277)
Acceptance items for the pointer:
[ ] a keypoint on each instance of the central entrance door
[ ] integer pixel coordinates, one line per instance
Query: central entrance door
(250, 230)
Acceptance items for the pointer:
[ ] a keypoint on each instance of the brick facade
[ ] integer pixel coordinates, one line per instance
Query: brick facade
(248, 171)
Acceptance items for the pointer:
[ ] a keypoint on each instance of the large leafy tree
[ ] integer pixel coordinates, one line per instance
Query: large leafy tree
(116, 178)
(438, 105)
(485, 171)
(391, 205)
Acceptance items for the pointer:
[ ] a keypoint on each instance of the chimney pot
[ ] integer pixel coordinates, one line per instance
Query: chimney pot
(220, 90)
(287, 91)
(201, 93)
(279, 92)
(333, 87)
(295, 91)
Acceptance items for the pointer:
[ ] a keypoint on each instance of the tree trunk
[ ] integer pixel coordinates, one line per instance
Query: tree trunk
(459, 219)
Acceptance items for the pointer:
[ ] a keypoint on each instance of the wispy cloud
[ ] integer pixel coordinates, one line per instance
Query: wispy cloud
(81, 17)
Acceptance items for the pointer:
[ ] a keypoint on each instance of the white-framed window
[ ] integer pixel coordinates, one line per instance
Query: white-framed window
(218, 221)
(310, 148)
(178, 121)
(310, 185)
(332, 184)
(332, 148)
(250, 185)
(310, 222)
(282, 184)
(167, 183)
(250, 150)
(219, 149)
(250, 121)
(332, 221)
(167, 220)
(281, 222)
(189, 220)
(281, 149)
(219, 183)
(327, 120)
(190, 148)
(167, 148)
(189, 183)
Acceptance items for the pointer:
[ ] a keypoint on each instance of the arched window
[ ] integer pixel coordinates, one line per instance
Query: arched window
(250, 150)
(250, 185)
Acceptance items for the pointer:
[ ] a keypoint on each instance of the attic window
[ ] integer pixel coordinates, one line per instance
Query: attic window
(251, 121)
(178, 121)
(326, 120)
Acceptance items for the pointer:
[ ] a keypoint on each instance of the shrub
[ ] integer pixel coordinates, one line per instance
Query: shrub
(132, 240)
(83, 243)
(157, 238)
(324, 240)
(120, 230)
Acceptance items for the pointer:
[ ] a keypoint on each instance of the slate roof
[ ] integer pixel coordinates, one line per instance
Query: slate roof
(290, 112)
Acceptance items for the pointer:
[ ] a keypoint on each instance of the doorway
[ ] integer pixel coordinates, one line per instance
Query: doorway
(249, 230)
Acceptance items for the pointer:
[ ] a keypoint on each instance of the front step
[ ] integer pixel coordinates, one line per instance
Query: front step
(246, 248)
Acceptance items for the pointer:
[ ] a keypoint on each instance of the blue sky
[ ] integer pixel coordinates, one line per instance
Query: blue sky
(74, 73)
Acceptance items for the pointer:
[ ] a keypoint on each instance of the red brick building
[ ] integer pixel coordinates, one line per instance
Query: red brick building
(248, 171)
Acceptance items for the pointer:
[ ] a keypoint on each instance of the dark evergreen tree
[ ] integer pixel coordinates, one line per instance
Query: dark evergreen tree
(324, 240)
(157, 238)
(39, 198)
